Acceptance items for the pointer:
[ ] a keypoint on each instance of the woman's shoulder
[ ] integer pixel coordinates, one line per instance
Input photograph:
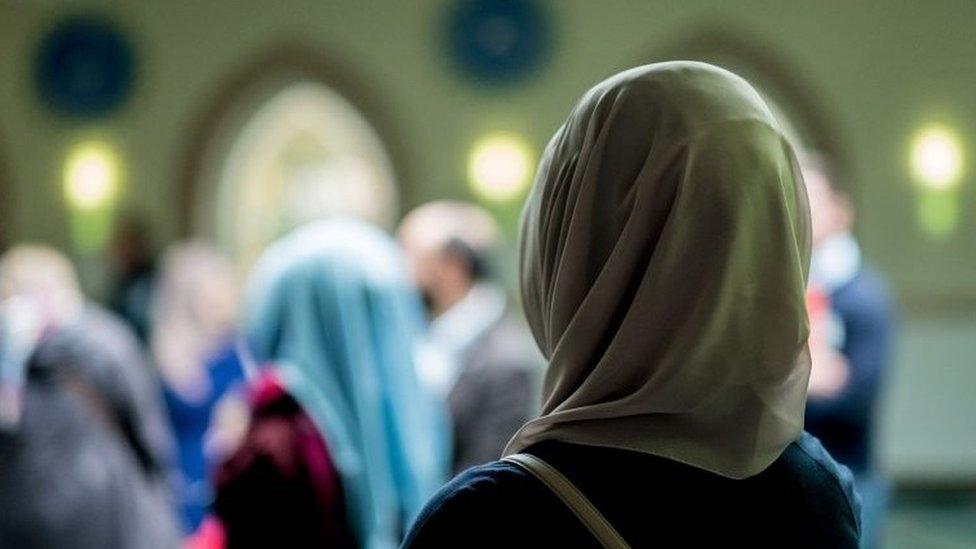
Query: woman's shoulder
(809, 464)
(482, 486)
(808, 451)
(487, 503)
(462, 506)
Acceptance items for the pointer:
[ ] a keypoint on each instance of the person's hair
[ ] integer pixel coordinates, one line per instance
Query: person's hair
(463, 231)
(473, 260)
(133, 225)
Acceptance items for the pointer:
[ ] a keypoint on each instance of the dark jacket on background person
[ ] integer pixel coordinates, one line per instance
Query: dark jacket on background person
(496, 392)
(69, 475)
(131, 297)
(845, 422)
(804, 499)
(101, 350)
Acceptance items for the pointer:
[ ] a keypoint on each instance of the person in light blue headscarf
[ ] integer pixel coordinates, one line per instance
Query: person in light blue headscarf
(331, 308)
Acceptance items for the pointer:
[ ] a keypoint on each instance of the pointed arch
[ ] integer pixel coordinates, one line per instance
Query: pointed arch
(245, 92)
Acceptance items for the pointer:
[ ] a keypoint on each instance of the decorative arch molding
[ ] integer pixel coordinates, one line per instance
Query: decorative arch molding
(775, 76)
(246, 89)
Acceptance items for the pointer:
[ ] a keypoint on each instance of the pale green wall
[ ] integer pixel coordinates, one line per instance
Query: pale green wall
(880, 68)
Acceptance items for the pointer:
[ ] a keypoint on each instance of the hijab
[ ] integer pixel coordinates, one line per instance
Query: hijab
(331, 306)
(664, 251)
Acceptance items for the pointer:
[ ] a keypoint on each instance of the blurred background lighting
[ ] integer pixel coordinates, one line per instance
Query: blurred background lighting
(937, 158)
(938, 213)
(500, 167)
(91, 176)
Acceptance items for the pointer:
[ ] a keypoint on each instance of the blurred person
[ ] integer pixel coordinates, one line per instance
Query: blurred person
(663, 262)
(93, 343)
(134, 268)
(193, 344)
(344, 447)
(852, 332)
(73, 466)
(489, 367)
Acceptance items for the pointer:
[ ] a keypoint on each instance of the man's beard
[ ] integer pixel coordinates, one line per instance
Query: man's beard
(428, 300)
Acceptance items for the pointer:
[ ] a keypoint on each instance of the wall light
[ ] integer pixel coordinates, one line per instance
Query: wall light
(91, 176)
(500, 167)
(937, 158)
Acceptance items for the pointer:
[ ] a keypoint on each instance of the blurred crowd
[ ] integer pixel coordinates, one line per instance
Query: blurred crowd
(331, 393)
(325, 398)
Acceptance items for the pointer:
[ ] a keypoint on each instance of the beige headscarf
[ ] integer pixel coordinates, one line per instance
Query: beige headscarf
(664, 252)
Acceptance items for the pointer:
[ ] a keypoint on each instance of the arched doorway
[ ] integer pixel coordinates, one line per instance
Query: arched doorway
(286, 147)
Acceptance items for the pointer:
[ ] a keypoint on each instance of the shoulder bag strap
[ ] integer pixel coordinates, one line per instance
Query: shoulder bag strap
(570, 495)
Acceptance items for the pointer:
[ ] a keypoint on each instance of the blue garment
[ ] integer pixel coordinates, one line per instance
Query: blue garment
(804, 499)
(875, 492)
(191, 420)
(331, 306)
(845, 422)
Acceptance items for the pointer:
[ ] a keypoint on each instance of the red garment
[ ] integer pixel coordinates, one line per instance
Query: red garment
(210, 535)
(281, 488)
(818, 309)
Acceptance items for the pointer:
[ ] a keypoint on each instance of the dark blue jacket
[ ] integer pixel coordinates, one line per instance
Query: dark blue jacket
(845, 422)
(804, 499)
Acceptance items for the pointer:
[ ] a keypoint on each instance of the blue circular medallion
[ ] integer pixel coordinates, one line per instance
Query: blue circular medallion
(84, 67)
(498, 41)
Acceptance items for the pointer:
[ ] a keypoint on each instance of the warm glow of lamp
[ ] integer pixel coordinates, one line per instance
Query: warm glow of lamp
(91, 176)
(500, 167)
(937, 158)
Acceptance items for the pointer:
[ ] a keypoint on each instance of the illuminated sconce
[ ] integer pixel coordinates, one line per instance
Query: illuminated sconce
(500, 167)
(937, 158)
(91, 186)
(937, 165)
(91, 176)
